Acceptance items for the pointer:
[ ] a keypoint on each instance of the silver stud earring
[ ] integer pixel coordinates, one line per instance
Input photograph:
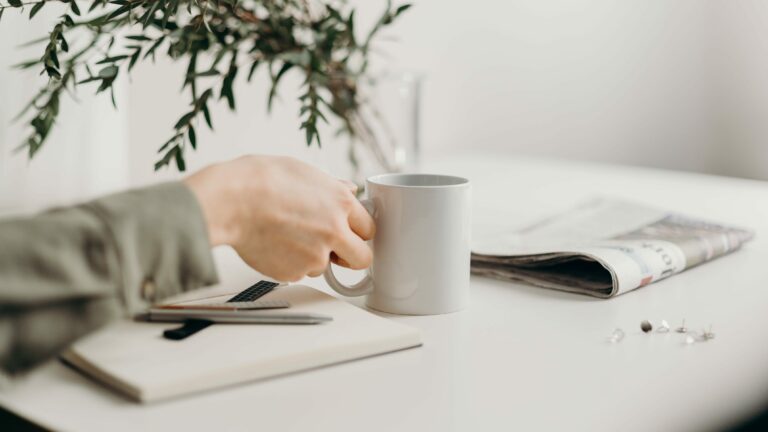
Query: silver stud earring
(707, 334)
(616, 336)
(682, 328)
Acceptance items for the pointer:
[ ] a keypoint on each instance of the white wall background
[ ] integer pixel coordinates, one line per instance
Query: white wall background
(743, 88)
(677, 84)
(674, 84)
(87, 153)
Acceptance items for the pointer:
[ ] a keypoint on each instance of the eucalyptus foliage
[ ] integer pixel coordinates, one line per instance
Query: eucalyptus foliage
(219, 41)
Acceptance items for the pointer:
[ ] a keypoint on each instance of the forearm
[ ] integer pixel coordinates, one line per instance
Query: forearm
(283, 217)
(65, 272)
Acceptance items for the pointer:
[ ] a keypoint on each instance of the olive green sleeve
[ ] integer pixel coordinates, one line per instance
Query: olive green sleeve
(65, 272)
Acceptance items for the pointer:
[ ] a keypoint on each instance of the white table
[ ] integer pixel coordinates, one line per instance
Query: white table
(519, 358)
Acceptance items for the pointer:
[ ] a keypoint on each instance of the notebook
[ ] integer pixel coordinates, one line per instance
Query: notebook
(134, 359)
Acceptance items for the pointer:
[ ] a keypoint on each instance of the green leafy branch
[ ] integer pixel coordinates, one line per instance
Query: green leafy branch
(316, 38)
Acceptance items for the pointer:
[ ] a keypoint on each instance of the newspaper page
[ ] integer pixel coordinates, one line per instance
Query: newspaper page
(604, 248)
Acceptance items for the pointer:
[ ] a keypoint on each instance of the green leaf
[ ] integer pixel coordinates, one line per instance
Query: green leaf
(311, 132)
(321, 115)
(63, 43)
(138, 38)
(27, 64)
(1, 13)
(402, 9)
(201, 101)
(105, 84)
(184, 120)
(53, 72)
(75, 9)
(192, 137)
(52, 56)
(119, 11)
(254, 65)
(226, 92)
(191, 70)
(219, 56)
(180, 164)
(301, 58)
(35, 9)
(108, 72)
(167, 14)
(112, 96)
(151, 50)
(15, 3)
(95, 4)
(147, 19)
(134, 59)
(112, 59)
(212, 72)
(273, 91)
(229, 79)
(351, 27)
(90, 79)
(172, 140)
(167, 157)
(207, 115)
(35, 41)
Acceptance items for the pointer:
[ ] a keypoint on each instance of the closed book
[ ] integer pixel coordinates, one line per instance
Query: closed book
(134, 359)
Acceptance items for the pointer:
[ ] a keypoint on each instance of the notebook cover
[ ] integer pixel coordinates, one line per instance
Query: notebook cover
(134, 358)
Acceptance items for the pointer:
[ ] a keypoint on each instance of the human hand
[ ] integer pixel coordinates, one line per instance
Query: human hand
(284, 218)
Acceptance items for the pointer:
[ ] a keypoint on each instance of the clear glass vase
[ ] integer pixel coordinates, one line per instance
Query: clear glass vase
(387, 127)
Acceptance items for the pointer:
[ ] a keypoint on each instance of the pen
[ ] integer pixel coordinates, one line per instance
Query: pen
(238, 317)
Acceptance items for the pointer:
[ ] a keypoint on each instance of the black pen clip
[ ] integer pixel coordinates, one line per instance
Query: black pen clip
(190, 327)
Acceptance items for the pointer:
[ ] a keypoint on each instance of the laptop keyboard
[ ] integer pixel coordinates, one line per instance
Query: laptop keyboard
(254, 292)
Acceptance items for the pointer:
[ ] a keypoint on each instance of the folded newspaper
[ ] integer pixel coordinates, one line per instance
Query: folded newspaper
(605, 248)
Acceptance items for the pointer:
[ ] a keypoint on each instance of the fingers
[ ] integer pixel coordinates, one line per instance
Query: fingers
(338, 261)
(361, 222)
(350, 185)
(334, 259)
(316, 273)
(353, 251)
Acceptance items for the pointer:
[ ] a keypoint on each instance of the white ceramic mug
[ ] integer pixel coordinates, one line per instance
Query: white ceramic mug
(421, 250)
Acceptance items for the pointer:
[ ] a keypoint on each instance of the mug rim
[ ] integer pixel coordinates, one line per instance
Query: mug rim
(451, 180)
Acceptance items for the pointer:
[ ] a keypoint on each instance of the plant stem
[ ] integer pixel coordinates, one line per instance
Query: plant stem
(2, 6)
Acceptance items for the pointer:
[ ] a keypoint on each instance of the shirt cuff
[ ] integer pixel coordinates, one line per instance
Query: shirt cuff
(161, 240)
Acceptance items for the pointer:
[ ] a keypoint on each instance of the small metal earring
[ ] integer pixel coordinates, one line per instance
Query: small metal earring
(616, 336)
(707, 334)
(663, 327)
(682, 328)
(646, 326)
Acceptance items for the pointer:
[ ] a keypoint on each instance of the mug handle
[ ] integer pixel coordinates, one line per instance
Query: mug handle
(361, 288)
